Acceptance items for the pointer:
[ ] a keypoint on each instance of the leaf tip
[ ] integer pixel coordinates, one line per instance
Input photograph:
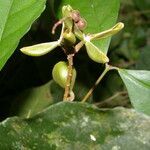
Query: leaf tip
(23, 50)
(119, 26)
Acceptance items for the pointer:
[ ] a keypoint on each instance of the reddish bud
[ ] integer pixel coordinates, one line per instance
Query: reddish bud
(75, 15)
(81, 24)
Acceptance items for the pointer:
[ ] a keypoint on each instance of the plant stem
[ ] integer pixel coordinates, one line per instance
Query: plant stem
(108, 100)
(107, 68)
(79, 46)
(67, 96)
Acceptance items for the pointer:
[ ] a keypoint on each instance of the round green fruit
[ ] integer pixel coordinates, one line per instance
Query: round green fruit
(69, 38)
(60, 72)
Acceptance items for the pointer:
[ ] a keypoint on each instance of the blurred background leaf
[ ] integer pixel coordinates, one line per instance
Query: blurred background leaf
(144, 60)
(32, 101)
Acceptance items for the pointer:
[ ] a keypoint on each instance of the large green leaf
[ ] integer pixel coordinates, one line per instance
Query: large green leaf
(100, 15)
(78, 126)
(16, 17)
(138, 86)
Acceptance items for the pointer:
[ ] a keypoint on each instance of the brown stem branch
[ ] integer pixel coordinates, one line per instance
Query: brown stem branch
(67, 96)
(79, 46)
(124, 93)
(107, 68)
(57, 24)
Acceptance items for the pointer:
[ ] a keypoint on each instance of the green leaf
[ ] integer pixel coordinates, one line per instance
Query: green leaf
(16, 17)
(114, 30)
(95, 54)
(40, 49)
(138, 86)
(99, 14)
(57, 92)
(78, 126)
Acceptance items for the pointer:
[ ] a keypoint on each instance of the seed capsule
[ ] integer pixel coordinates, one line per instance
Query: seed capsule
(60, 73)
(75, 15)
(81, 24)
(69, 38)
(96, 54)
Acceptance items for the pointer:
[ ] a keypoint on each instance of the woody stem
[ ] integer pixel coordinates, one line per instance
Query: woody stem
(69, 78)
(107, 68)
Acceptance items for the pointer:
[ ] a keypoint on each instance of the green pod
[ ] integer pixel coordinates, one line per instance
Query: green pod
(66, 11)
(107, 33)
(40, 49)
(60, 72)
(75, 15)
(95, 54)
(69, 38)
(81, 24)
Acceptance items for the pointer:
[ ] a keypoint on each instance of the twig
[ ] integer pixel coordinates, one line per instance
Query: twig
(141, 12)
(57, 24)
(125, 64)
(107, 68)
(67, 94)
(79, 46)
(111, 98)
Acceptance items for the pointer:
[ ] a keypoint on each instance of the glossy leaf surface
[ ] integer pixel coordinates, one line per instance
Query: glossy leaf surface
(16, 17)
(138, 86)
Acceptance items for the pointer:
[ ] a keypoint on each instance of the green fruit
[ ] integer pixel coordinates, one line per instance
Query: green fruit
(69, 38)
(60, 72)
(96, 54)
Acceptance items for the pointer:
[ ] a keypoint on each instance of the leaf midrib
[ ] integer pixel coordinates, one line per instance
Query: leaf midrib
(136, 80)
